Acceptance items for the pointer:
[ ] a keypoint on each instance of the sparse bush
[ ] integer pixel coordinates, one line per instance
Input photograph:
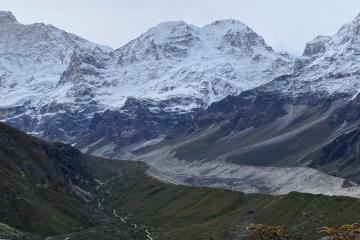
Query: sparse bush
(345, 232)
(265, 232)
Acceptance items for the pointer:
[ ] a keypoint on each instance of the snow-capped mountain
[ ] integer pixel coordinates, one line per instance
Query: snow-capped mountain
(329, 63)
(32, 59)
(291, 125)
(207, 98)
(177, 60)
(173, 59)
(61, 87)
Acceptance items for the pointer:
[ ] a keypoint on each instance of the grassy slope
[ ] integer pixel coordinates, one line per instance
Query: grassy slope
(32, 193)
(36, 194)
(35, 197)
(179, 212)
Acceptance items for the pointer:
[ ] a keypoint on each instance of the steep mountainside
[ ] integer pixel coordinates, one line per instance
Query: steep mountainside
(32, 59)
(49, 189)
(39, 183)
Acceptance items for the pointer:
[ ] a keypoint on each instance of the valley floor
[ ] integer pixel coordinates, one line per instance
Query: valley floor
(129, 204)
(164, 211)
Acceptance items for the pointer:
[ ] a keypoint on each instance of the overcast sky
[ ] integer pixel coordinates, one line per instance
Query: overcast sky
(285, 24)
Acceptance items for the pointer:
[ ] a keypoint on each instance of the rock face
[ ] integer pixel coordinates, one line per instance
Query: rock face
(138, 124)
(61, 87)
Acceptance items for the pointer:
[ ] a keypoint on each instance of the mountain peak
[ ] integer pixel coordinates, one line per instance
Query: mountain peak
(229, 24)
(343, 43)
(7, 17)
(348, 33)
(166, 29)
(170, 24)
(229, 21)
(316, 46)
(233, 34)
(356, 19)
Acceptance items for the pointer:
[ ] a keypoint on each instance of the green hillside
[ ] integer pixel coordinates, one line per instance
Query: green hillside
(180, 212)
(52, 191)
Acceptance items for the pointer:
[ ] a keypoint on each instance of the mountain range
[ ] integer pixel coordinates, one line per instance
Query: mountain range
(205, 106)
